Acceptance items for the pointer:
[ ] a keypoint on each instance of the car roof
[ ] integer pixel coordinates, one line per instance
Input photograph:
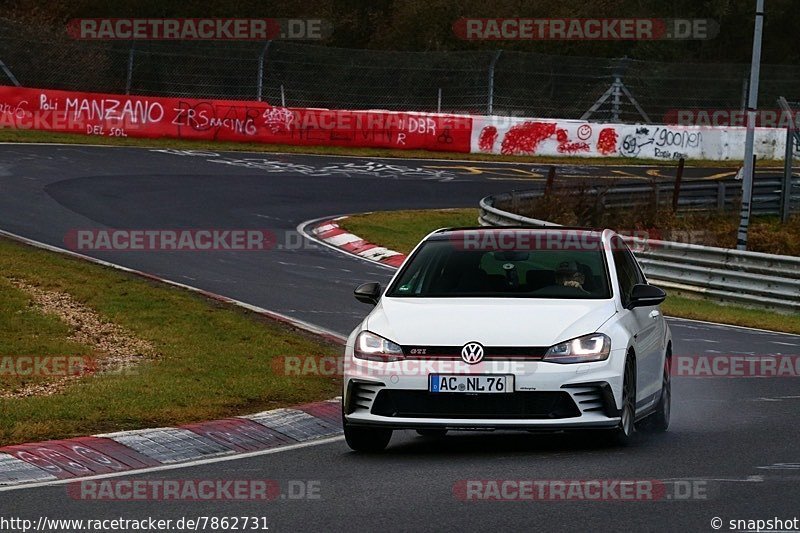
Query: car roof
(445, 233)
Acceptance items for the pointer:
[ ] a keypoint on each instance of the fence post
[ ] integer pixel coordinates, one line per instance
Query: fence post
(720, 195)
(9, 74)
(490, 102)
(260, 82)
(616, 88)
(129, 79)
(678, 178)
(656, 195)
(745, 85)
(551, 177)
(283, 96)
(439, 102)
(786, 190)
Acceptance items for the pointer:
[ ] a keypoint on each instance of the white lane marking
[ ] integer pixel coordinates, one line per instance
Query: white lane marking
(596, 164)
(781, 466)
(267, 217)
(295, 322)
(701, 340)
(783, 343)
(775, 399)
(727, 326)
(161, 468)
(748, 479)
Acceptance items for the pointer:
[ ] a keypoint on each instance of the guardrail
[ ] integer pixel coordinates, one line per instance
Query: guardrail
(750, 278)
(694, 195)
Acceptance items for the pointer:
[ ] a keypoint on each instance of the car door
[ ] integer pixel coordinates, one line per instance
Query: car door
(644, 324)
(654, 333)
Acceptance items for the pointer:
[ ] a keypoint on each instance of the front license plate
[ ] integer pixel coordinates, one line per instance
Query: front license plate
(471, 384)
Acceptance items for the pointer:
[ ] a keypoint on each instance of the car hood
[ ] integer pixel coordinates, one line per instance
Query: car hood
(490, 321)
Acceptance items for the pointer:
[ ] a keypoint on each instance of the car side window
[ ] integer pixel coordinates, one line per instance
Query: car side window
(626, 269)
(636, 268)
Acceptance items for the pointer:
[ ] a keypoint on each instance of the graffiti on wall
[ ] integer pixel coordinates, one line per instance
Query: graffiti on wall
(527, 137)
(98, 114)
(225, 120)
(660, 142)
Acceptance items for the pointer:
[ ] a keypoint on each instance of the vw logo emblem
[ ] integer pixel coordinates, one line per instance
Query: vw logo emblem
(472, 353)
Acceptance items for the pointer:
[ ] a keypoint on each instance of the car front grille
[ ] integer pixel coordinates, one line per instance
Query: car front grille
(516, 405)
(490, 352)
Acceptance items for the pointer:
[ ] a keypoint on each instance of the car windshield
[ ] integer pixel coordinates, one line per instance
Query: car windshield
(441, 269)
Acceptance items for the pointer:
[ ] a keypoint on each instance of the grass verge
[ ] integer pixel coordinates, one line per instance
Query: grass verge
(11, 135)
(215, 360)
(402, 230)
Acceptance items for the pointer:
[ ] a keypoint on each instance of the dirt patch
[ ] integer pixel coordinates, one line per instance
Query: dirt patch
(115, 348)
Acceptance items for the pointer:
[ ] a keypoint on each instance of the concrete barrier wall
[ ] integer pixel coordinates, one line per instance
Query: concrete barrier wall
(121, 115)
(547, 137)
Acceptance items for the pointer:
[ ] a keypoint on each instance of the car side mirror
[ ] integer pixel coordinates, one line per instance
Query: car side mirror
(368, 293)
(645, 295)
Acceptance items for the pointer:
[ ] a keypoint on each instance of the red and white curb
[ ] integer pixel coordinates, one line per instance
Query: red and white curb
(116, 453)
(128, 451)
(331, 234)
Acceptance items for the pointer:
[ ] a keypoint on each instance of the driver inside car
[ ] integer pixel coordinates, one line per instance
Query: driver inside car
(569, 275)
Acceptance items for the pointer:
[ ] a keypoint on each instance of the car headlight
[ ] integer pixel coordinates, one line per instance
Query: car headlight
(375, 348)
(594, 347)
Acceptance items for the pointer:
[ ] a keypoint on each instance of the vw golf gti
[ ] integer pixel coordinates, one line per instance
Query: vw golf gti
(512, 328)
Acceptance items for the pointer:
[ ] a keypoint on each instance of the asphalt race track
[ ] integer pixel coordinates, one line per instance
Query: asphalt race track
(737, 437)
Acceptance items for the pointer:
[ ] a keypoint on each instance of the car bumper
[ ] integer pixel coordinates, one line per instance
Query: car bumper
(547, 396)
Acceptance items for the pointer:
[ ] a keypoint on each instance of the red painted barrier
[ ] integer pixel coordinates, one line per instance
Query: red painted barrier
(228, 120)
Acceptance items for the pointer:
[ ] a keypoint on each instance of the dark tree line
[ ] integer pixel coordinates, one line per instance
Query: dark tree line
(424, 25)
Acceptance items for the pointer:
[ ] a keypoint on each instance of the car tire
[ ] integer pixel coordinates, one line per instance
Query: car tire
(658, 422)
(623, 433)
(432, 432)
(365, 439)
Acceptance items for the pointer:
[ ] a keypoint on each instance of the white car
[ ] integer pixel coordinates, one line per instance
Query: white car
(513, 328)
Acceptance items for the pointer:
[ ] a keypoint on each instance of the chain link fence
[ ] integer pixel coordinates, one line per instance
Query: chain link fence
(306, 75)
